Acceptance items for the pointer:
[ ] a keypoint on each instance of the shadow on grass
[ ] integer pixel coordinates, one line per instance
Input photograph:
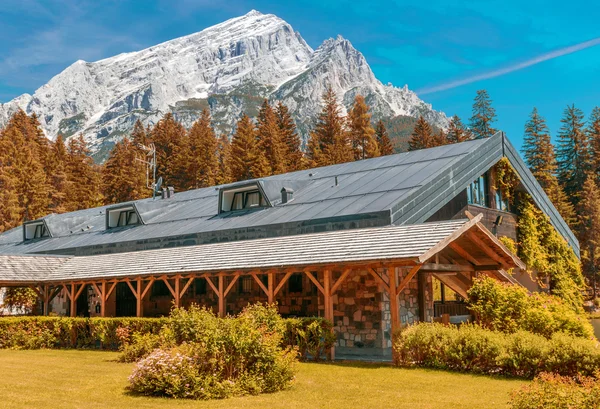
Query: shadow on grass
(390, 365)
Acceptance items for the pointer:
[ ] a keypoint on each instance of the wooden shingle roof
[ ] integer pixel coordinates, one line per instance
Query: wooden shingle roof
(413, 244)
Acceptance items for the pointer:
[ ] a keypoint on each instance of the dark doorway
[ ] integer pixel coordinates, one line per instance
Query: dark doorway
(83, 305)
(126, 303)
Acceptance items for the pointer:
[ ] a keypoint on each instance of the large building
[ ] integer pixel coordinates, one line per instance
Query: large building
(371, 245)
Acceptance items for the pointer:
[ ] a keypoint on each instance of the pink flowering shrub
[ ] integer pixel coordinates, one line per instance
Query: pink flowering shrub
(217, 357)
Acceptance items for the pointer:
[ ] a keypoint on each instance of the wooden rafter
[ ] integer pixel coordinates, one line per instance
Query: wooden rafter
(282, 282)
(413, 271)
(340, 281)
(315, 281)
(376, 275)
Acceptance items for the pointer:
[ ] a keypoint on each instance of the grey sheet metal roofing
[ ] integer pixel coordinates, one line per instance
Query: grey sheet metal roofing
(369, 245)
(399, 189)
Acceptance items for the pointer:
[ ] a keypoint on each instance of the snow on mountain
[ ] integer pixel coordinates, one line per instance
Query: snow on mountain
(229, 68)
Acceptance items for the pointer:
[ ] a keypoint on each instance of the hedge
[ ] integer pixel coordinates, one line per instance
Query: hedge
(312, 336)
(471, 348)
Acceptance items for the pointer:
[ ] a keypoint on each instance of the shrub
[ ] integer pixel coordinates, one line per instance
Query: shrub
(553, 391)
(472, 348)
(311, 336)
(66, 332)
(218, 358)
(137, 337)
(509, 308)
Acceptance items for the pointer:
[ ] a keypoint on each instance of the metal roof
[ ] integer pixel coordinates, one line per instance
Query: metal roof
(399, 189)
(392, 243)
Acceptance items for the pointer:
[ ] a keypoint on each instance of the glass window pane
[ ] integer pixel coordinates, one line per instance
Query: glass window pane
(253, 199)
(238, 202)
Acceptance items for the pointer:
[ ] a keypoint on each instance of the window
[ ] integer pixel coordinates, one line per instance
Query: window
(295, 283)
(501, 202)
(36, 230)
(245, 285)
(247, 200)
(242, 198)
(120, 217)
(200, 286)
(476, 192)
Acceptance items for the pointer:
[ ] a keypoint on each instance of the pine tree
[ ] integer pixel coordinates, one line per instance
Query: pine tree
(139, 136)
(538, 152)
(169, 139)
(422, 136)
(589, 226)
(440, 138)
(83, 175)
(457, 132)
(247, 161)
(329, 143)
(223, 160)
(20, 149)
(58, 175)
(270, 140)
(383, 139)
(122, 176)
(294, 159)
(362, 134)
(594, 140)
(484, 115)
(572, 153)
(202, 164)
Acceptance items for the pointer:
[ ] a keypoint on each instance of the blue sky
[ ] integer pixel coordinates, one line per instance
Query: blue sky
(428, 46)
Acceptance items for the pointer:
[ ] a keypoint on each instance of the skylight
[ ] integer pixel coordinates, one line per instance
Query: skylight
(35, 230)
(121, 217)
(244, 197)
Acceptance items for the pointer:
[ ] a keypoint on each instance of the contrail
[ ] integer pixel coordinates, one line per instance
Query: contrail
(501, 71)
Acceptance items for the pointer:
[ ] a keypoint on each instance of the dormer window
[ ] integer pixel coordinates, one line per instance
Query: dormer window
(245, 197)
(35, 230)
(122, 216)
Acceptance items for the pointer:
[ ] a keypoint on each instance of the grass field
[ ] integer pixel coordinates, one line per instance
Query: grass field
(91, 379)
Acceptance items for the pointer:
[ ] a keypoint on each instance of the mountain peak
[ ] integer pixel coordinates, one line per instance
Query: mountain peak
(253, 13)
(229, 67)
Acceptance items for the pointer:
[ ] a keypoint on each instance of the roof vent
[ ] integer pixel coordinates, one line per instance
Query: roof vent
(287, 195)
(168, 192)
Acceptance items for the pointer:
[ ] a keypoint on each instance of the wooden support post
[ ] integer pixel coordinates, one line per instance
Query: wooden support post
(73, 305)
(177, 291)
(103, 298)
(271, 287)
(221, 295)
(138, 298)
(422, 296)
(394, 313)
(328, 301)
(45, 299)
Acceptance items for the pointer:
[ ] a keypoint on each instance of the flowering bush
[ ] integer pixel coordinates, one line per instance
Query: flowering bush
(510, 308)
(217, 357)
(471, 348)
(557, 392)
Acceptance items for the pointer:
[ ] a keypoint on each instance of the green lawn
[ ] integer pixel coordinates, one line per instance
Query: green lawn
(91, 379)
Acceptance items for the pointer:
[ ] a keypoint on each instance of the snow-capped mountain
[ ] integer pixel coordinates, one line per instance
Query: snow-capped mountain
(229, 67)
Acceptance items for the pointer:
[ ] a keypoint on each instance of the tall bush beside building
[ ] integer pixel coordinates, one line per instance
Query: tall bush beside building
(510, 308)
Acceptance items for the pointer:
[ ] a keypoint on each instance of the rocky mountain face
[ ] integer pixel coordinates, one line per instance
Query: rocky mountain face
(229, 68)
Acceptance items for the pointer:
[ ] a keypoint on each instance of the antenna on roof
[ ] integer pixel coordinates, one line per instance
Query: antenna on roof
(150, 163)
